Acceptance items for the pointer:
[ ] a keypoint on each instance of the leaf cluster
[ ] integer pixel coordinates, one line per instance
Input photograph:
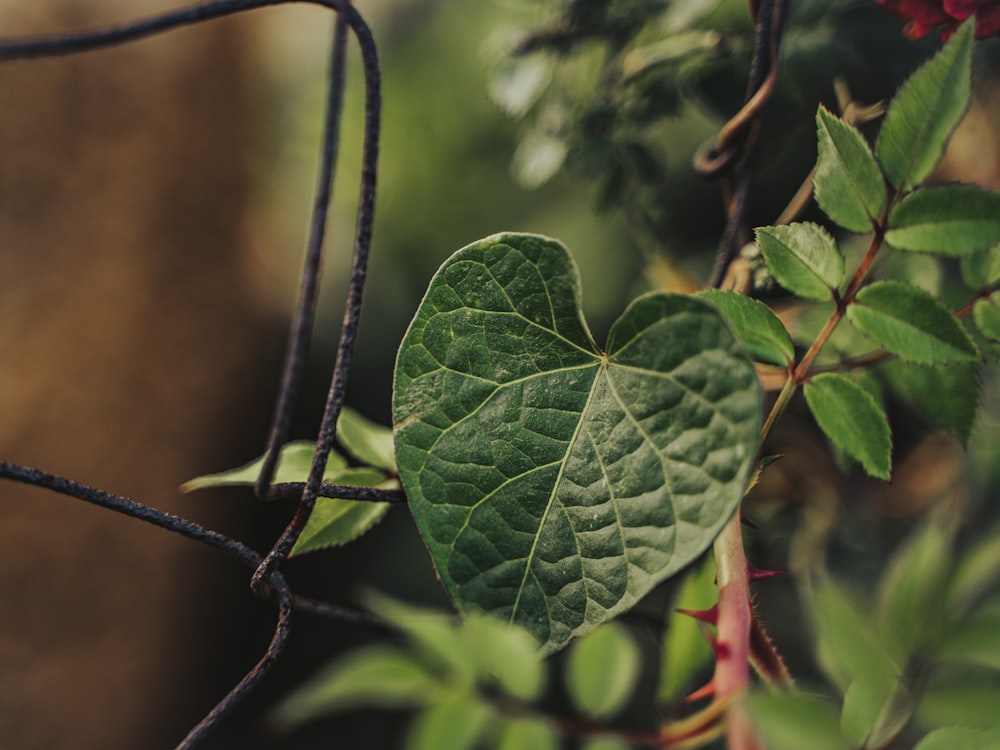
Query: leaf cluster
(919, 659)
(474, 683)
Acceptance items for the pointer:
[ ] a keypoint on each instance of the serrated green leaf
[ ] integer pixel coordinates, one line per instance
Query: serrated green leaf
(760, 330)
(924, 113)
(602, 671)
(911, 324)
(986, 313)
(959, 738)
(947, 396)
(685, 649)
(911, 590)
(554, 484)
(294, 463)
(382, 676)
(851, 419)
(525, 733)
(369, 442)
(793, 721)
(505, 654)
(847, 643)
(970, 702)
(804, 258)
(455, 723)
(848, 183)
(953, 220)
(334, 521)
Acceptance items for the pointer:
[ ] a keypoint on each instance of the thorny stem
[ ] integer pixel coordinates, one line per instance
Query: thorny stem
(732, 647)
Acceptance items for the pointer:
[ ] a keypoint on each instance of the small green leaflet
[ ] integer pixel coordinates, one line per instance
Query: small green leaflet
(334, 521)
(602, 671)
(924, 113)
(384, 676)
(911, 324)
(849, 416)
(981, 269)
(986, 313)
(848, 184)
(555, 484)
(954, 220)
(760, 330)
(804, 258)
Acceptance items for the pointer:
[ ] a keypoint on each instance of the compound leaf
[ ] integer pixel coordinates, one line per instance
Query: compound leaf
(553, 483)
(953, 220)
(760, 330)
(848, 184)
(924, 113)
(804, 258)
(853, 421)
(911, 324)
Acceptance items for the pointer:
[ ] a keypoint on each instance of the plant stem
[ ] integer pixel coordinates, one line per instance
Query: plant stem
(732, 661)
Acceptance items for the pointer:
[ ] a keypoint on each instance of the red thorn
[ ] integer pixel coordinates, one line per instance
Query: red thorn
(746, 520)
(711, 616)
(756, 574)
(705, 691)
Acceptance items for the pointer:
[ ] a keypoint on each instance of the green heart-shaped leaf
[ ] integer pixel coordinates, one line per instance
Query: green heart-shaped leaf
(556, 484)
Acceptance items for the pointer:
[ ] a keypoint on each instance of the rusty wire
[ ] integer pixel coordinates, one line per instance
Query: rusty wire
(730, 155)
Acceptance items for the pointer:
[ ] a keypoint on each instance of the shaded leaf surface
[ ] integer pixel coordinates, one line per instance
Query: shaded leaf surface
(924, 113)
(555, 484)
(911, 324)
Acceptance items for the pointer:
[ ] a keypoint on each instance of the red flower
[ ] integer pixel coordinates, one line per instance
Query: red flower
(923, 16)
